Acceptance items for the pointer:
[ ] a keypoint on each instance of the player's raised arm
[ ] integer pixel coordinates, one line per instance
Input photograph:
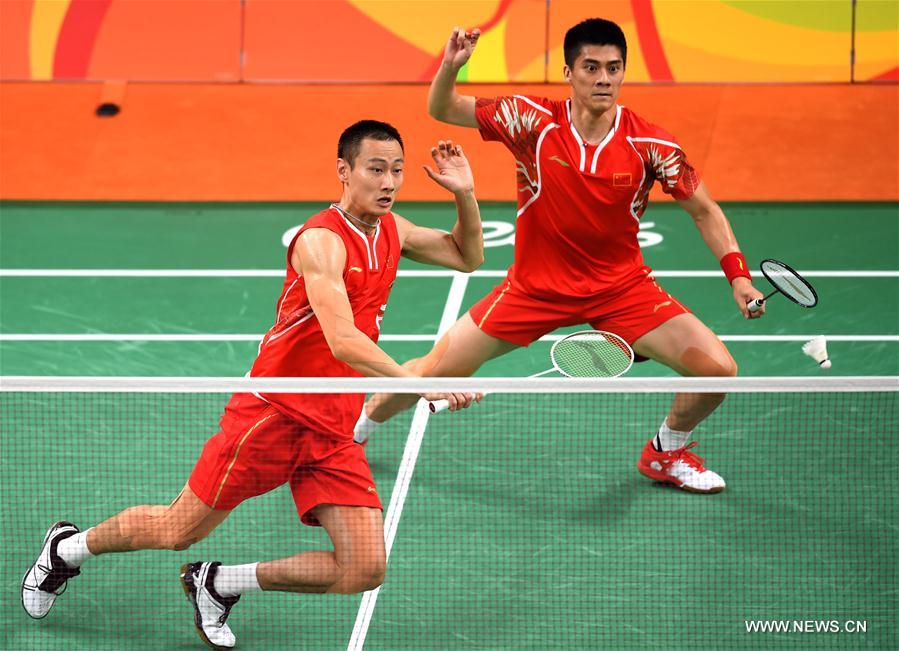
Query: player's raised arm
(463, 248)
(444, 102)
(719, 237)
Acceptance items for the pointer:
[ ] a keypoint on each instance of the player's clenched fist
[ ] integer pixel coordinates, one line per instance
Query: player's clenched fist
(455, 401)
(460, 46)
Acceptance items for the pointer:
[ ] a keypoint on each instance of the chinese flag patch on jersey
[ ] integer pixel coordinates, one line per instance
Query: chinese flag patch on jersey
(621, 180)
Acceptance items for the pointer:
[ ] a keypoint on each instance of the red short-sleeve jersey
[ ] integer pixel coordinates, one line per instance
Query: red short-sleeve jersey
(296, 347)
(579, 205)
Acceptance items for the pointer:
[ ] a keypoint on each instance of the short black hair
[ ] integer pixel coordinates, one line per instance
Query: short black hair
(593, 31)
(351, 139)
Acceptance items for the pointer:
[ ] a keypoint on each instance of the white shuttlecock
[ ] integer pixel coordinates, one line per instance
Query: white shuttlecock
(817, 350)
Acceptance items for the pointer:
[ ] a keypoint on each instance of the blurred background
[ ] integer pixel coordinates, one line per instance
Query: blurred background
(244, 99)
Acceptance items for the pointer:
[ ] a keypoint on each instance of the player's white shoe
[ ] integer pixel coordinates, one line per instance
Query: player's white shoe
(211, 610)
(681, 468)
(46, 578)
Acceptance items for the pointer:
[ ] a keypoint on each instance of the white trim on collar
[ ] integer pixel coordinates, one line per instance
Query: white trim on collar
(600, 146)
(606, 140)
(369, 246)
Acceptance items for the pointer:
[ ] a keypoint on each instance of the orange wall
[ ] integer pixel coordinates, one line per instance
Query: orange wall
(403, 40)
(182, 40)
(235, 142)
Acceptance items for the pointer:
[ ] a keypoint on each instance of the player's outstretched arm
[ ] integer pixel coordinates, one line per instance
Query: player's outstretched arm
(719, 237)
(444, 102)
(319, 255)
(463, 248)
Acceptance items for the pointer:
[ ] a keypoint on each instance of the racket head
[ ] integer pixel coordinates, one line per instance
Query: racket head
(592, 353)
(788, 282)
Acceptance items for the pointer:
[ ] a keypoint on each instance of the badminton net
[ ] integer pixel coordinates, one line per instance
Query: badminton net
(519, 523)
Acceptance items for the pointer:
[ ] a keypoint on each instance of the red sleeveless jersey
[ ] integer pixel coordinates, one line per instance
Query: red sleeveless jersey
(296, 346)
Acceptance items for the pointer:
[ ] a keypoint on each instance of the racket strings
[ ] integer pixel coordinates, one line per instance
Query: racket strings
(788, 282)
(592, 355)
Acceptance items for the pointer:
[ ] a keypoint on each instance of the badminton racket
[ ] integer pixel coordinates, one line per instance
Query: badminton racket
(786, 281)
(584, 354)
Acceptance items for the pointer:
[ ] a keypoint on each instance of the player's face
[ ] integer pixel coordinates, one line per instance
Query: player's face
(372, 182)
(596, 77)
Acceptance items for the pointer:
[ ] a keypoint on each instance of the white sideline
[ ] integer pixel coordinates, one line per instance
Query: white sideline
(407, 467)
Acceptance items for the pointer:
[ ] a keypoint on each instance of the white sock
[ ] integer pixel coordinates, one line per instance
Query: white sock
(232, 580)
(73, 550)
(670, 439)
(364, 427)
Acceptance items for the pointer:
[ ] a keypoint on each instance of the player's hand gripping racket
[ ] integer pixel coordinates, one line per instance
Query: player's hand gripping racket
(788, 282)
(589, 353)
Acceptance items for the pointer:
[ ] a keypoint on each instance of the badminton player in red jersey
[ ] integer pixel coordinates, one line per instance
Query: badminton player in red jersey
(585, 167)
(340, 268)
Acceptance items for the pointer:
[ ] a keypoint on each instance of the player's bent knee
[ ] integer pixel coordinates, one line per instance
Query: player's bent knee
(720, 366)
(376, 575)
(361, 578)
(369, 575)
(365, 583)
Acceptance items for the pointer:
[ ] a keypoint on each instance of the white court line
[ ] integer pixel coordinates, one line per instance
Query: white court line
(402, 273)
(407, 467)
(770, 338)
(173, 337)
(382, 338)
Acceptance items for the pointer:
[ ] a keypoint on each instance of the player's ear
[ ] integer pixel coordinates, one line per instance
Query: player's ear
(566, 72)
(343, 170)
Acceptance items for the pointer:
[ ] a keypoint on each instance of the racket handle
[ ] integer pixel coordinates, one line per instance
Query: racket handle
(756, 304)
(438, 405)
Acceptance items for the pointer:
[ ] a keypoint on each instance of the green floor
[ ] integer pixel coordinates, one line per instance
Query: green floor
(527, 525)
(816, 237)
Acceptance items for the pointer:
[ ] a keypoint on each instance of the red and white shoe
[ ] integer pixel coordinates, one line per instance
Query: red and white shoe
(681, 468)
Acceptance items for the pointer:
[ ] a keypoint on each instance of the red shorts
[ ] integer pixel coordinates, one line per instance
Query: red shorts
(259, 448)
(510, 314)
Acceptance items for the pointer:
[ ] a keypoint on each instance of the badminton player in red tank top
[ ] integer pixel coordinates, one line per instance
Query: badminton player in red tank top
(296, 345)
(340, 268)
(584, 169)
